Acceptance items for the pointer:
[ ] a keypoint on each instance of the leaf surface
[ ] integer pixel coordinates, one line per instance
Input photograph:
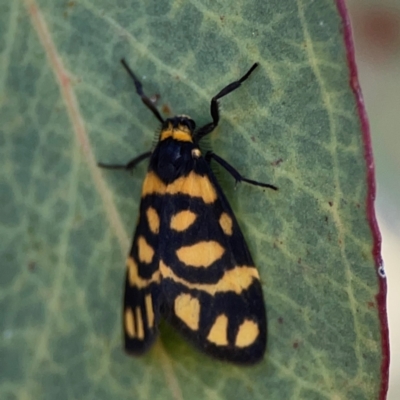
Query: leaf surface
(66, 103)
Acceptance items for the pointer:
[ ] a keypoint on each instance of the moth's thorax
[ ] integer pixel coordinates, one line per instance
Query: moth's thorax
(180, 127)
(175, 155)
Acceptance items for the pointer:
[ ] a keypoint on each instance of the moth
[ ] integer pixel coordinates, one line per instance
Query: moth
(189, 262)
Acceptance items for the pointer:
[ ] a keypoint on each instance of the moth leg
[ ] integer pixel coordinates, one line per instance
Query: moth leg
(237, 176)
(139, 90)
(130, 165)
(206, 129)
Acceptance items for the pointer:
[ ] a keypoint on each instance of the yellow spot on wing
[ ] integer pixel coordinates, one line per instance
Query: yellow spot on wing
(201, 254)
(146, 252)
(149, 310)
(153, 219)
(225, 221)
(130, 323)
(193, 185)
(135, 279)
(182, 220)
(187, 308)
(153, 184)
(235, 280)
(139, 320)
(247, 334)
(219, 331)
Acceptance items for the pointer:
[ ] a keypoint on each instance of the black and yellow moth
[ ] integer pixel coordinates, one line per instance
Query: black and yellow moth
(189, 262)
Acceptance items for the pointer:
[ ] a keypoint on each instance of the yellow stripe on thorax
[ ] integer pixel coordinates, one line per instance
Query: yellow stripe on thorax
(181, 133)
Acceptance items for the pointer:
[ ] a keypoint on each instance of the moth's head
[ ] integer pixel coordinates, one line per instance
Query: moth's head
(180, 127)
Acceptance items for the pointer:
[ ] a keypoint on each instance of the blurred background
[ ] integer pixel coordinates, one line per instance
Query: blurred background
(376, 31)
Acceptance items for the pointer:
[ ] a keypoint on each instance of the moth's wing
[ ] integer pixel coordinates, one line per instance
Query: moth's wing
(142, 299)
(212, 291)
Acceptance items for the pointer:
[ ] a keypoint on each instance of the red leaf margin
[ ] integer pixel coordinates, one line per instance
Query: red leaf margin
(377, 239)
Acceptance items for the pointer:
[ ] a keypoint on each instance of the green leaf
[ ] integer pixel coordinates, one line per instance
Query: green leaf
(66, 103)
